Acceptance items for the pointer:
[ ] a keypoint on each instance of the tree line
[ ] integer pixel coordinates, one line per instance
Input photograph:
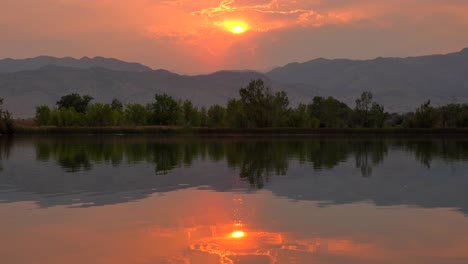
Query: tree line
(257, 107)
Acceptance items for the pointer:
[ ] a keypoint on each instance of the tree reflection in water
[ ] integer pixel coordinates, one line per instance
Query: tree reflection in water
(257, 160)
(136, 162)
(311, 210)
(5, 149)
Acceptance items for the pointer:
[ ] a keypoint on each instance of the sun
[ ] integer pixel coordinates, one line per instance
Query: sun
(238, 234)
(236, 27)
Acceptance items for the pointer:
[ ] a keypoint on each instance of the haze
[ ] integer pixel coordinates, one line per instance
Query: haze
(190, 36)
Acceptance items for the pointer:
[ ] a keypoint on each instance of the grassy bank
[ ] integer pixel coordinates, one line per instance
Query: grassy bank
(175, 130)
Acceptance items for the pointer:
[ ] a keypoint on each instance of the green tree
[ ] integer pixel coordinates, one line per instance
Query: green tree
(216, 116)
(104, 115)
(191, 114)
(78, 102)
(166, 110)
(94, 115)
(280, 109)
(203, 117)
(136, 114)
(42, 115)
(235, 115)
(299, 117)
(66, 117)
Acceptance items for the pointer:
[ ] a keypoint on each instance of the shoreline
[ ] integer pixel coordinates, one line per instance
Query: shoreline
(204, 131)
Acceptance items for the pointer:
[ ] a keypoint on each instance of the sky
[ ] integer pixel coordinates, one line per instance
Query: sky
(196, 36)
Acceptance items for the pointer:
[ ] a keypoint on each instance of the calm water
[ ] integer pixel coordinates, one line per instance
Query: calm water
(120, 200)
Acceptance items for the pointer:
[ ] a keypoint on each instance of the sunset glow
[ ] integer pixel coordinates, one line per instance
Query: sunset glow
(191, 36)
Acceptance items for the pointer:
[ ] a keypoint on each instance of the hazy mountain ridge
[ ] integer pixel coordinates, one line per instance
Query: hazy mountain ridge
(17, 65)
(25, 90)
(400, 84)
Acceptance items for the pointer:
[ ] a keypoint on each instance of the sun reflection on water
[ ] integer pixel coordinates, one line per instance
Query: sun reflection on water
(238, 238)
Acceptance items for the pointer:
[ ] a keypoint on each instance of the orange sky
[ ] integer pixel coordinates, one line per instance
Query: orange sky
(190, 36)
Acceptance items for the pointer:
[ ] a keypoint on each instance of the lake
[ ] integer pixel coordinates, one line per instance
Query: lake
(152, 199)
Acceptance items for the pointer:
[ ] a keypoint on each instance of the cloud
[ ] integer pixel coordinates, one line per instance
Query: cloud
(190, 35)
(270, 15)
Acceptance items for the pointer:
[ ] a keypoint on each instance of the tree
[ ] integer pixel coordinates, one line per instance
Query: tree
(362, 109)
(66, 117)
(116, 105)
(42, 115)
(262, 108)
(76, 101)
(216, 116)
(299, 117)
(6, 121)
(364, 103)
(136, 114)
(425, 116)
(191, 114)
(462, 117)
(166, 110)
(330, 112)
(98, 115)
(377, 115)
(280, 109)
(369, 113)
(453, 115)
(203, 117)
(235, 115)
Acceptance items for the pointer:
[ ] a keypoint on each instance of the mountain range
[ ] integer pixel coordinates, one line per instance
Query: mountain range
(400, 84)
(12, 65)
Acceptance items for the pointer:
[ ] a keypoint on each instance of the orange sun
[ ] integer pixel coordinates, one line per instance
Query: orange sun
(236, 27)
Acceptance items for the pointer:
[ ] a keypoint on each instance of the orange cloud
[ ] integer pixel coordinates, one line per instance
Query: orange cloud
(156, 32)
(267, 16)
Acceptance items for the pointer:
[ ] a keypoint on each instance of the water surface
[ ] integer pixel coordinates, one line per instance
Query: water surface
(120, 199)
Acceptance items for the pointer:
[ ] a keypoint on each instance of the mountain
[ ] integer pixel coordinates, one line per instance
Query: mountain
(25, 90)
(12, 65)
(400, 84)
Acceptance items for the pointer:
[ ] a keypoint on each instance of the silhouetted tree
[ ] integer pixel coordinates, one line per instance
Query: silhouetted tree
(330, 112)
(76, 101)
(362, 110)
(6, 121)
(117, 105)
(262, 107)
(425, 116)
(377, 115)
